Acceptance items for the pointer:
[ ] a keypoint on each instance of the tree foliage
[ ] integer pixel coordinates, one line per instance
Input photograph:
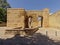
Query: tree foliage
(2, 15)
(3, 10)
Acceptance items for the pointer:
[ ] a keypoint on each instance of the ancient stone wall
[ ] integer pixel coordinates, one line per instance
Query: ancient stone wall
(42, 13)
(18, 17)
(54, 20)
(15, 17)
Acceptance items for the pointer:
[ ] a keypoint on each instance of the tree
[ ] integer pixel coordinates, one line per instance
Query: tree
(3, 10)
(2, 15)
(4, 4)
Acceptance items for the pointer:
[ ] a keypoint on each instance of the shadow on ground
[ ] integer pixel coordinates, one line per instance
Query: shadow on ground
(36, 39)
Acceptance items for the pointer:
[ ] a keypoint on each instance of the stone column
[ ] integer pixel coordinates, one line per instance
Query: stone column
(45, 17)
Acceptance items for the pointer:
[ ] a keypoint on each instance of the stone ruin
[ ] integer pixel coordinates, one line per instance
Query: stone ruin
(27, 19)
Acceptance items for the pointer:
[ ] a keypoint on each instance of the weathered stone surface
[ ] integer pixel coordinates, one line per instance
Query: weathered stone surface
(54, 20)
(18, 17)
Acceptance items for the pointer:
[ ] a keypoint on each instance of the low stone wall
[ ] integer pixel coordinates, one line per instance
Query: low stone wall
(50, 32)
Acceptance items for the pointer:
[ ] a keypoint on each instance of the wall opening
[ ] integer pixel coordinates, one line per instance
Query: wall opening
(30, 21)
(40, 21)
(26, 22)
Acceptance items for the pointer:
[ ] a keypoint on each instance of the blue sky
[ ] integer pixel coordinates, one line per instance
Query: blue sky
(53, 5)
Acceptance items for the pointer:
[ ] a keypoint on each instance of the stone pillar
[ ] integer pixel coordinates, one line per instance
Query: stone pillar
(45, 17)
